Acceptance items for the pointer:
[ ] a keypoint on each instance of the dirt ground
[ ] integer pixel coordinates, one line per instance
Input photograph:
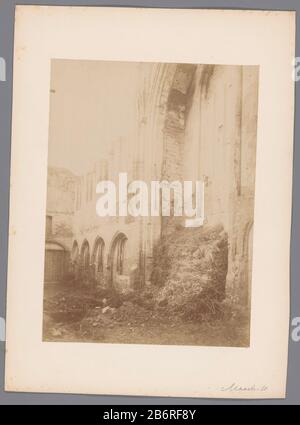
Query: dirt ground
(82, 314)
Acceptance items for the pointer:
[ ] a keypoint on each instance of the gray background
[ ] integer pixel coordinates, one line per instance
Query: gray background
(6, 51)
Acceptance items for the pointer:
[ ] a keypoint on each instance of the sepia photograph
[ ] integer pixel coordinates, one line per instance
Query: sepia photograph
(150, 203)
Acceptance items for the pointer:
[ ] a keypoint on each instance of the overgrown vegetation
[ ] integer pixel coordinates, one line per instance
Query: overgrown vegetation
(190, 266)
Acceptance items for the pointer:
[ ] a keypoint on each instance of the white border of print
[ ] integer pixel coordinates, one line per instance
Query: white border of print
(230, 37)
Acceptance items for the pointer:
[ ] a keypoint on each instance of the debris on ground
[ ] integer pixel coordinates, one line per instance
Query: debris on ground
(185, 304)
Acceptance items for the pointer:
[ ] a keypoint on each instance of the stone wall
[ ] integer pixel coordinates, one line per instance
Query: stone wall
(194, 122)
(60, 205)
(209, 134)
(59, 221)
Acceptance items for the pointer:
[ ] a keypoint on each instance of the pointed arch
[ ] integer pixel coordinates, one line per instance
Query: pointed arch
(75, 252)
(116, 256)
(85, 255)
(98, 255)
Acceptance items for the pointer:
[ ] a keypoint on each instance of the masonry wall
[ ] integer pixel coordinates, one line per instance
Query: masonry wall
(194, 122)
(60, 205)
(59, 220)
(220, 149)
(88, 226)
(209, 134)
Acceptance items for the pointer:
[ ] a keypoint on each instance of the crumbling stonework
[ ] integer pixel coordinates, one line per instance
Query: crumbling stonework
(60, 205)
(191, 265)
(193, 122)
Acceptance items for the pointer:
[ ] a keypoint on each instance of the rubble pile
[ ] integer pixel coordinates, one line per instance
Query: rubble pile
(100, 307)
(190, 266)
(68, 307)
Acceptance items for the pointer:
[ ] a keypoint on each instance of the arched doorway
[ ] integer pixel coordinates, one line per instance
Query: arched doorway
(75, 258)
(75, 251)
(54, 269)
(98, 259)
(85, 256)
(116, 260)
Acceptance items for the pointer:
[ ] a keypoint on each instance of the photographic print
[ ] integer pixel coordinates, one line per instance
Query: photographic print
(150, 203)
